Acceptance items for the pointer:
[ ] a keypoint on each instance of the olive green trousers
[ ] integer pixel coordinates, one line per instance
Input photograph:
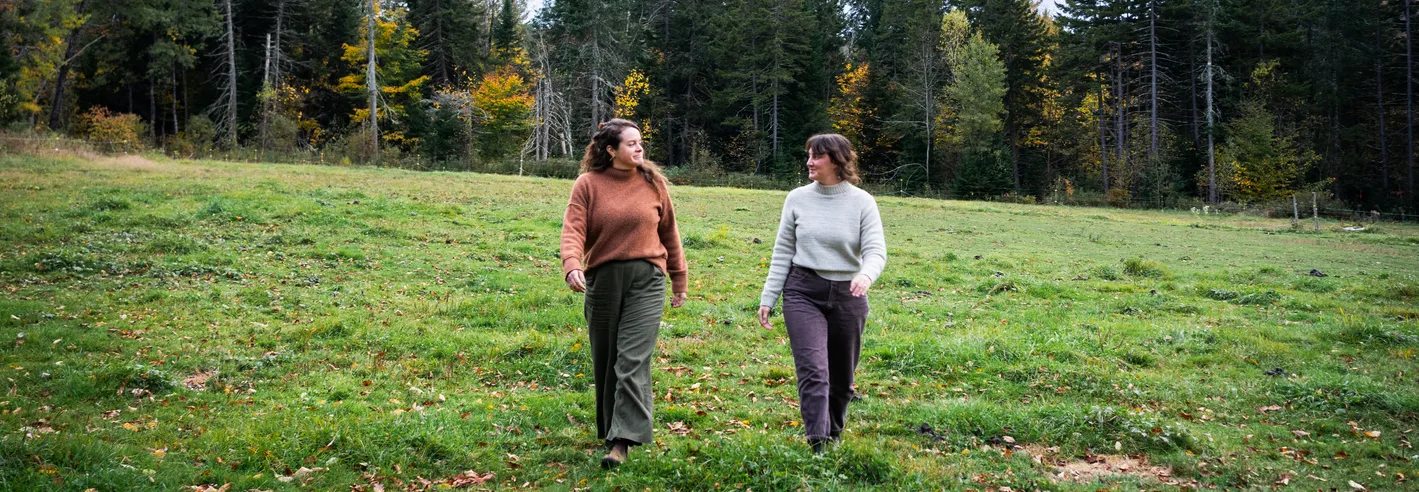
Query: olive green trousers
(624, 303)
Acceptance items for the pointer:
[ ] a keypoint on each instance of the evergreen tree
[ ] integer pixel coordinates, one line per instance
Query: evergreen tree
(976, 95)
(449, 30)
(1020, 33)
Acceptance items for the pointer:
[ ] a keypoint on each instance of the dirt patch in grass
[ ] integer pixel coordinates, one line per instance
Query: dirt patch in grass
(1091, 468)
(197, 381)
(128, 162)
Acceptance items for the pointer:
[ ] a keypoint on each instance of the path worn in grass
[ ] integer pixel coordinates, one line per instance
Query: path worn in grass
(167, 324)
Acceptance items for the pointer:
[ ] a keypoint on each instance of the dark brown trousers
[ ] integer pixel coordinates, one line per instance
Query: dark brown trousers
(825, 324)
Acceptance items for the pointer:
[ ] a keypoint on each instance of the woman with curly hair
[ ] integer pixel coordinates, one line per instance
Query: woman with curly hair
(619, 244)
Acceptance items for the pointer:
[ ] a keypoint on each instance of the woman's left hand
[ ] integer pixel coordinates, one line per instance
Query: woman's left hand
(860, 284)
(678, 300)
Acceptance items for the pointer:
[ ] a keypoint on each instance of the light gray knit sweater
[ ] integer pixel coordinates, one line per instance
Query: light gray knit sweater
(834, 230)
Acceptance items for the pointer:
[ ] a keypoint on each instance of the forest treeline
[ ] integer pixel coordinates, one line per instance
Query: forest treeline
(1132, 101)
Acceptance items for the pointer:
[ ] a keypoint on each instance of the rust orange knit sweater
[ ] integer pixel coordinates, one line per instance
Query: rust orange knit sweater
(617, 215)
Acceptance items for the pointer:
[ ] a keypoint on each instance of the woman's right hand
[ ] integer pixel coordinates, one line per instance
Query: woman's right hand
(764, 317)
(577, 281)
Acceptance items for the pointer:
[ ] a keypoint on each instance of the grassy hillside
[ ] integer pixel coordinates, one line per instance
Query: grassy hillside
(167, 324)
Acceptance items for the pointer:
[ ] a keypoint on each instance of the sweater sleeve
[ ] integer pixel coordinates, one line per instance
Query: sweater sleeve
(785, 245)
(675, 264)
(574, 227)
(874, 243)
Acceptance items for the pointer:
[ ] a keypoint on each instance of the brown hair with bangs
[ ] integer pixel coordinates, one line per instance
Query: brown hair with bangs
(839, 149)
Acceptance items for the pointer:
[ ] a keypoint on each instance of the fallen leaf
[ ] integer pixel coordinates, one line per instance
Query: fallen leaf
(1300, 433)
(468, 478)
(1268, 408)
(306, 471)
(1372, 434)
(1356, 486)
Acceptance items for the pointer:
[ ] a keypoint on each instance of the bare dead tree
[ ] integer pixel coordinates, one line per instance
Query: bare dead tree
(372, 83)
(1153, 81)
(266, 96)
(226, 107)
(926, 75)
(1211, 111)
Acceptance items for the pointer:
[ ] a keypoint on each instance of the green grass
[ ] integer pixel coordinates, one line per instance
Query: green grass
(384, 325)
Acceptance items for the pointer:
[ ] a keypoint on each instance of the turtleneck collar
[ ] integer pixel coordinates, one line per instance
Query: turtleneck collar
(837, 189)
(620, 174)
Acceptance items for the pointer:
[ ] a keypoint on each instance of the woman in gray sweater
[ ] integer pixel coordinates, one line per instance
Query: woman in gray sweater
(829, 251)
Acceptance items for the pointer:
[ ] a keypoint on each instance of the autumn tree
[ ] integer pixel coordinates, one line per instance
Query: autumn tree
(398, 66)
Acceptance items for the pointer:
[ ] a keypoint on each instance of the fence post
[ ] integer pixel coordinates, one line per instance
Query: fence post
(1295, 213)
(1315, 211)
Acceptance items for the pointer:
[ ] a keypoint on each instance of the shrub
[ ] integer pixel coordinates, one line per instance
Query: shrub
(1106, 272)
(1137, 267)
(116, 132)
(1118, 198)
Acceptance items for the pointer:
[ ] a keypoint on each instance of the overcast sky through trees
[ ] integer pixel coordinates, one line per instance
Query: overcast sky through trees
(1048, 6)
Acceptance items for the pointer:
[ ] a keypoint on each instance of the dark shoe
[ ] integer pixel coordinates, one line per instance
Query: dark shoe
(616, 455)
(818, 445)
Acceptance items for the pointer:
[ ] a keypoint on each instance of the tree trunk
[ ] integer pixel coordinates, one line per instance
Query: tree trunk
(758, 140)
(1119, 110)
(372, 84)
(1211, 149)
(153, 121)
(1409, 97)
(774, 138)
(172, 77)
(231, 79)
(1013, 135)
(444, 78)
(266, 96)
(1192, 92)
(930, 131)
(70, 42)
(276, 66)
(1380, 110)
(1153, 83)
(1103, 139)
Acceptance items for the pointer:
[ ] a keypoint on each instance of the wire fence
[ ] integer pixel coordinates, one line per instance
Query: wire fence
(1306, 206)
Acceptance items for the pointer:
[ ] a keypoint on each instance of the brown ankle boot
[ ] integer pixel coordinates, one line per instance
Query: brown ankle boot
(616, 455)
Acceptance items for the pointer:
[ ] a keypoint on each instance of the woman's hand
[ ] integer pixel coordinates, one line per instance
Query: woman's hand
(764, 317)
(860, 284)
(678, 300)
(576, 280)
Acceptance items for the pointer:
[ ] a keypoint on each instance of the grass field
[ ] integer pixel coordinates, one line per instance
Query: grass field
(166, 324)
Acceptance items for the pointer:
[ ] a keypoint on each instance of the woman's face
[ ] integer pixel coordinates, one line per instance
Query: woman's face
(630, 153)
(822, 169)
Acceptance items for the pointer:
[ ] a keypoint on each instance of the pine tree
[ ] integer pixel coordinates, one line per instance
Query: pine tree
(449, 30)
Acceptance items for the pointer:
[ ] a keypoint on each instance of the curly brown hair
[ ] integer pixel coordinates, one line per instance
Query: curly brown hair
(839, 149)
(608, 134)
